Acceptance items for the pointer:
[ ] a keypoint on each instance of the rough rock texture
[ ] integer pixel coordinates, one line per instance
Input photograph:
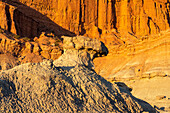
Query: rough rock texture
(15, 50)
(7, 61)
(91, 17)
(42, 87)
(81, 50)
(123, 25)
(8, 45)
(27, 22)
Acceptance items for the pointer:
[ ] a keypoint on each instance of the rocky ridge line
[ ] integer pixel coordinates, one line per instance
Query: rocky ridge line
(48, 87)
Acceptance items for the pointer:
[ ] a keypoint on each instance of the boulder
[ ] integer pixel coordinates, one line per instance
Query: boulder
(80, 50)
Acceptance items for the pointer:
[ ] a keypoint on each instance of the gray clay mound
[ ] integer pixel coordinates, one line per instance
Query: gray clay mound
(42, 87)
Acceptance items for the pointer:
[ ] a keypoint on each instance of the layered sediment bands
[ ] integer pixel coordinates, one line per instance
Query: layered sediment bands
(147, 59)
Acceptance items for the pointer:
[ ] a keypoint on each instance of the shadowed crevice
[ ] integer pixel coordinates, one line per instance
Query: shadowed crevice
(30, 23)
(8, 18)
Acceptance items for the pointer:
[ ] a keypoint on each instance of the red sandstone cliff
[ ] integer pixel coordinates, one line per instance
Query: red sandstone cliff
(25, 21)
(91, 17)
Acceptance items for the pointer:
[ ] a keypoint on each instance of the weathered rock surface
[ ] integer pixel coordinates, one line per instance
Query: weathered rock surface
(121, 24)
(27, 22)
(91, 17)
(144, 59)
(144, 66)
(80, 50)
(15, 50)
(42, 87)
(7, 61)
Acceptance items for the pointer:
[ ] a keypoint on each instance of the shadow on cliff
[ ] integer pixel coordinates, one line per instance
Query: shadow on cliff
(31, 23)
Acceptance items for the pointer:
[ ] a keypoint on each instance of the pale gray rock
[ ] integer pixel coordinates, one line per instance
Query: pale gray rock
(71, 58)
(84, 43)
(80, 50)
(42, 87)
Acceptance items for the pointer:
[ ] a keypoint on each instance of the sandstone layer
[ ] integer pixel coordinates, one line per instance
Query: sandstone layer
(90, 17)
(139, 60)
(144, 66)
(144, 59)
(27, 22)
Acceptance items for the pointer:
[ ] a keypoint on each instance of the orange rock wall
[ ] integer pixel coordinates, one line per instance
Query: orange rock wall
(142, 17)
(91, 17)
(79, 16)
(27, 22)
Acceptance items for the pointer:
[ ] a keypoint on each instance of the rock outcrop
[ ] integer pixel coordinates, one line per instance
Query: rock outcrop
(15, 50)
(80, 50)
(127, 27)
(42, 87)
(90, 17)
(27, 22)
(7, 61)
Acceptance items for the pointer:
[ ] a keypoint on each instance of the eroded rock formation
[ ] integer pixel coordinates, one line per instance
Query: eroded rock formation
(27, 22)
(145, 67)
(80, 50)
(91, 17)
(43, 87)
(145, 59)
(15, 50)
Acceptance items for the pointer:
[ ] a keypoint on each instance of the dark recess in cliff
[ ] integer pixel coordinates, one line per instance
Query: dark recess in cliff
(30, 23)
(8, 18)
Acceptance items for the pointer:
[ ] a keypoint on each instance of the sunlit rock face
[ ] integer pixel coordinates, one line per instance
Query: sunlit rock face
(90, 17)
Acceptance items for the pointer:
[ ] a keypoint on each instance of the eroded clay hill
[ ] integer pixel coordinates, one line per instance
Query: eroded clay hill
(69, 84)
(137, 38)
(42, 87)
(91, 17)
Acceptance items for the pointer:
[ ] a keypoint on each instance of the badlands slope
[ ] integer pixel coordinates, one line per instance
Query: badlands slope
(70, 86)
(145, 67)
(136, 56)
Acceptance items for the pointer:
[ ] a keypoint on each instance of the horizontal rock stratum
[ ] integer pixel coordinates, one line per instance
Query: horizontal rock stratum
(148, 58)
(144, 66)
(136, 56)
(90, 17)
